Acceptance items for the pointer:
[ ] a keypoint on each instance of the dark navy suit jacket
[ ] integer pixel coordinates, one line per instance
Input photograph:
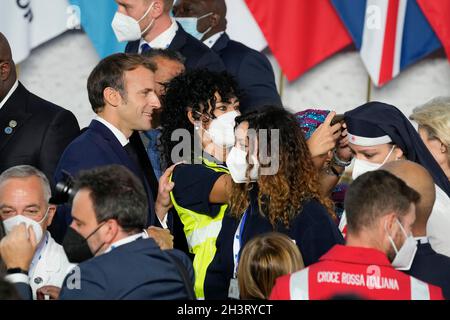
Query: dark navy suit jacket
(196, 53)
(138, 270)
(97, 146)
(253, 72)
(431, 267)
(312, 229)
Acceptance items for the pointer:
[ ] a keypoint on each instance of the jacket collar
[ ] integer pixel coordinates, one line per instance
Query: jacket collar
(15, 110)
(356, 255)
(222, 43)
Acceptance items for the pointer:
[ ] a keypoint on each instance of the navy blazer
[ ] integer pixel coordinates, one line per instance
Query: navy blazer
(97, 146)
(312, 229)
(138, 270)
(196, 53)
(39, 132)
(253, 72)
(431, 267)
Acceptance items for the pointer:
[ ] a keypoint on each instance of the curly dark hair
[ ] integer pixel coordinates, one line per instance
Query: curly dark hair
(193, 90)
(280, 196)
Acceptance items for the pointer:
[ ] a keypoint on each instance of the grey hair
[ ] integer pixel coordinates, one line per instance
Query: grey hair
(26, 171)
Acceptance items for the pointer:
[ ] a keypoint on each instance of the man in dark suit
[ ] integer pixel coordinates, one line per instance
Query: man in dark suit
(159, 31)
(110, 212)
(251, 68)
(33, 131)
(121, 90)
(428, 265)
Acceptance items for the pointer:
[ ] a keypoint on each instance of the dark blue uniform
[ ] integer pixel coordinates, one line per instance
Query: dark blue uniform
(252, 71)
(313, 230)
(431, 267)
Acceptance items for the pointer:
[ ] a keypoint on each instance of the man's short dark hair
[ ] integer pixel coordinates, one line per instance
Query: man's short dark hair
(116, 193)
(110, 73)
(168, 54)
(375, 194)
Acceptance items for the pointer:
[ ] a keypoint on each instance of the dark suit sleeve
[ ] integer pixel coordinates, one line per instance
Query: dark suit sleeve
(84, 284)
(24, 290)
(211, 61)
(318, 234)
(63, 129)
(257, 80)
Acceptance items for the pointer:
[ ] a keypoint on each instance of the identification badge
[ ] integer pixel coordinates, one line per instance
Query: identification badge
(233, 291)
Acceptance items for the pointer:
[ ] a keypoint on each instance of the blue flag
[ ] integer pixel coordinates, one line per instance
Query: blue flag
(96, 18)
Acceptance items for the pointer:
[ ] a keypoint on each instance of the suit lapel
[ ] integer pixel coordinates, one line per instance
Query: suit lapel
(132, 47)
(13, 115)
(180, 39)
(221, 43)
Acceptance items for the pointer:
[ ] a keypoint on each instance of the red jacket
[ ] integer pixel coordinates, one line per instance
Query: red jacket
(362, 272)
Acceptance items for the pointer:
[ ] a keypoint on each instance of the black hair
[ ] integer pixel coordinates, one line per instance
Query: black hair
(168, 54)
(193, 90)
(116, 193)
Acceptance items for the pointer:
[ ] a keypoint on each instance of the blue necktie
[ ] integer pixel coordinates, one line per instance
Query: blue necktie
(145, 48)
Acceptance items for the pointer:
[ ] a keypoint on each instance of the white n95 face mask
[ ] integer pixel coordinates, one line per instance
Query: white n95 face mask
(405, 256)
(237, 164)
(221, 129)
(10, 223)
(189, 24)
(127, 29)
(361, 166)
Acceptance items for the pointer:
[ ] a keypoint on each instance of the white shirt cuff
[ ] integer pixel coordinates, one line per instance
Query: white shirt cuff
(164, 222)
(17, 277)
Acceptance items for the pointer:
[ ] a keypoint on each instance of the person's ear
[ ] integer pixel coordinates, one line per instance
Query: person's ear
(112, 229)
(190, 116)
(398, 153)
(158, 9)
(444, 148)
(214, 20)
(50, 214)
(390, 223)
(112, 97)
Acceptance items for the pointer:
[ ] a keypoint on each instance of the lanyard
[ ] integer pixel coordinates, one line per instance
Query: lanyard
(237, 243)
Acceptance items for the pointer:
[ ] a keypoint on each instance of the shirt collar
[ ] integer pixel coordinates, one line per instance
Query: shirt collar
(421, 240)
(117, 133)
(10, 92)
(164, 40)
(38, 254)
(126, 240)
(211, 41)
(357, 255)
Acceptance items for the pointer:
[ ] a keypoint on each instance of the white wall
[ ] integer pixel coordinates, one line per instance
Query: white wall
(58, 71)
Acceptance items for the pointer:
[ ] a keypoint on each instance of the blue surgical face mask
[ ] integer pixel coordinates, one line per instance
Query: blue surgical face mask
(189, 25)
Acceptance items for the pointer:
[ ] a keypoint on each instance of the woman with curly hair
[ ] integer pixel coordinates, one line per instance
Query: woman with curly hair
(203, 104)
(287, 200)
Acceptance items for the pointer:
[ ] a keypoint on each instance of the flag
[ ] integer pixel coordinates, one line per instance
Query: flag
(28, 24)
(437, 13)
(300, 33)
(240, 19)
(96, 17)
(390, 34)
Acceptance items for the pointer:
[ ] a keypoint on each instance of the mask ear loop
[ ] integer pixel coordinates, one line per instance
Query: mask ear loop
(390, 238)
(145, 15)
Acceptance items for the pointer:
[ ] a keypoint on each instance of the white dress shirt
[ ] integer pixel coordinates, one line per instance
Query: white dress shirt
(126, 240)
(10, 92)
(438, 225)
(164, 40)
(211, 41)
(117, 133)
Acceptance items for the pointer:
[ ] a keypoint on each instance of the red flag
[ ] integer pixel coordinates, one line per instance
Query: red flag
(437, 13)
(300, 33)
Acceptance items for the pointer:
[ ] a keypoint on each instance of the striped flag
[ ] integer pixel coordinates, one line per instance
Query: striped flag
(390, 34)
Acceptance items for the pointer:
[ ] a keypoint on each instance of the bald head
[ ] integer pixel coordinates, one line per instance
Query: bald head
(5, 49)
(7, 67)
(417, 178)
